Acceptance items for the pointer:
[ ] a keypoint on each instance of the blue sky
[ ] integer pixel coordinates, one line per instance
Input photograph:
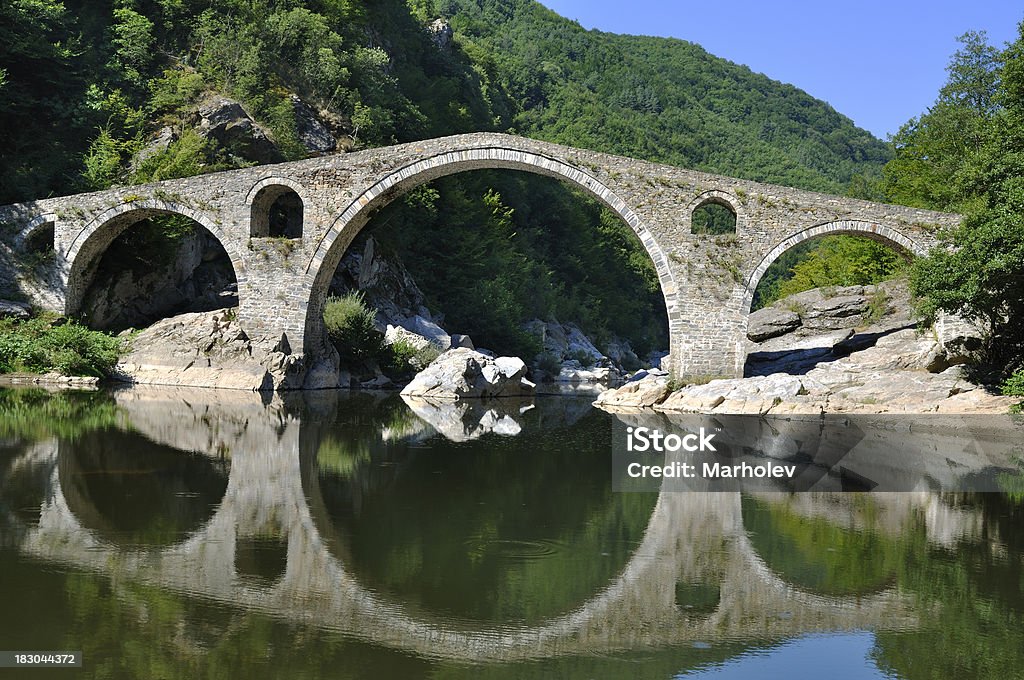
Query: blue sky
(880, 63)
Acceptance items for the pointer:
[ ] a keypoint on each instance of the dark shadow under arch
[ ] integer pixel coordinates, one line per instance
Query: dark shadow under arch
(276, 212)
(88, 248)
(133, 492)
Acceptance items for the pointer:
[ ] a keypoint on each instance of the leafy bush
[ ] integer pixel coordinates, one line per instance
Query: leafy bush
(402, 359)
(878, 305)
(175, 90)
(349, 324)
(40, 345)
(1014, 385)
(187, 156)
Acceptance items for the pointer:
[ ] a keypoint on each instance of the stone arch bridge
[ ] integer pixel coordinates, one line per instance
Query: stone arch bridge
(285, 228)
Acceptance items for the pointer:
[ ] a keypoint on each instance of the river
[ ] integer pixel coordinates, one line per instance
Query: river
(171, 533)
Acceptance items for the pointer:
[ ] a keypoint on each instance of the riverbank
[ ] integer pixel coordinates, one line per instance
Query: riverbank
(840, 350)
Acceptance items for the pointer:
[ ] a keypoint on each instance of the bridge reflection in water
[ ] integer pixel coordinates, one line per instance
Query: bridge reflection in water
(332, 517)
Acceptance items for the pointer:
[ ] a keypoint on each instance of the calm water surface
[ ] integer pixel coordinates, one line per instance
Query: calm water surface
(190, 534)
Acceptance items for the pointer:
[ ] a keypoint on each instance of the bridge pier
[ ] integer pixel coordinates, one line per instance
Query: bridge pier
(710, 341)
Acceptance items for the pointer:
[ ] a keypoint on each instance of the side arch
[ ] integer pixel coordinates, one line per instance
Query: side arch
(878, 232)
(346, 226)
(24, 237)
(94, 239)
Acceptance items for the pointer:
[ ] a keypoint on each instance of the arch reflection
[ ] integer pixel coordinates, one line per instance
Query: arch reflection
(846, 552)
(135, 493)
(510, 529)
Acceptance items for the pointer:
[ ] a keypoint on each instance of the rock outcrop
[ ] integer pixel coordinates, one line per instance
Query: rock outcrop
(14, 310)
(771, 323)
(850, 352)
(463, 373)
(312, 131)
(428, 330)
(648, 389)
(225, 122)
(578, 359)
(441, 33)
(386, 284)
(828, 309)
(209, 349)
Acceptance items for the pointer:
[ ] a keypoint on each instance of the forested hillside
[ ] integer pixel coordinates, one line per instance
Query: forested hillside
(104, 75)
(94, 94)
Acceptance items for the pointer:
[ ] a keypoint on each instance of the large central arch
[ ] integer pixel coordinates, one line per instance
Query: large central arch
(347, 226)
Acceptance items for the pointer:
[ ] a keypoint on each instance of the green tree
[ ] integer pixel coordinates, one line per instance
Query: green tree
(979, 270)
(932, 149)
(133, 42)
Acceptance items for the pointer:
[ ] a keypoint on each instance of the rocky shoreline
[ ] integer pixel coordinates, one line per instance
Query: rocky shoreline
(841, 350)
(847, 350)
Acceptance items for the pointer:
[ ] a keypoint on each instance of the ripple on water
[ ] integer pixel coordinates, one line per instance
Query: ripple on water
(514, 550)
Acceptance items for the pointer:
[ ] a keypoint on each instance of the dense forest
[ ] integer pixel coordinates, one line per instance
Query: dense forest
(85, 83)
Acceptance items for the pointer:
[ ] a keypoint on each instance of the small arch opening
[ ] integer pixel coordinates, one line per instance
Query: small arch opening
(713, 216)
(697, 598)
(42, 241)
(277, 212)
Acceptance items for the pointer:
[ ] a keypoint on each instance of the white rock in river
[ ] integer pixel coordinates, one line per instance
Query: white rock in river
(463, 373)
